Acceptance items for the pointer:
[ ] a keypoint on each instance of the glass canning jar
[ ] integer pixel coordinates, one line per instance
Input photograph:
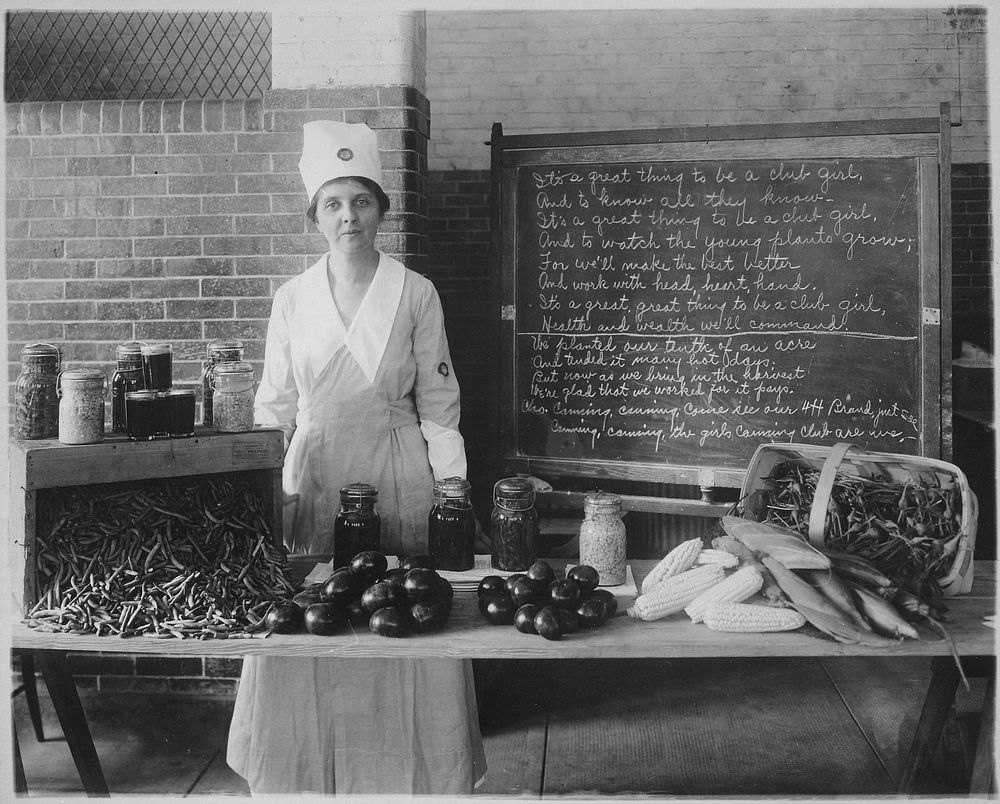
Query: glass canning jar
(221, 350)
(451, 525)
(36, 402)
(232, 397)
(602, 537)
(128, 377)
(513, 525)
(358, 525)
(81, 405)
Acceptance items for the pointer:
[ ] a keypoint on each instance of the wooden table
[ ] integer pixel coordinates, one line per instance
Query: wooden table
(469, 636)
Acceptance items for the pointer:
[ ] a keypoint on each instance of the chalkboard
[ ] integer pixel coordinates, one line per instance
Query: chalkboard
(674, 305)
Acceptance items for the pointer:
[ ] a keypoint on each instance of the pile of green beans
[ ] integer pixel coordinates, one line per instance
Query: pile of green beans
(184, 558)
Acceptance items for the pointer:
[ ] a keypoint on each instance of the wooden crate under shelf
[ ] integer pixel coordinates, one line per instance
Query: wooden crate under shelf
(49, 464)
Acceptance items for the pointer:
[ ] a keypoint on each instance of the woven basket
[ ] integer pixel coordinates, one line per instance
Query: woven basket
(850, 459)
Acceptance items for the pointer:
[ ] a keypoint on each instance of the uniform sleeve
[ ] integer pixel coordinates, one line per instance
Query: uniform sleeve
(436, 390)
(277, 396)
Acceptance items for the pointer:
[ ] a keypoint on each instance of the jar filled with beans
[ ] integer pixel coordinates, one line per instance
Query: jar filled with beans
(232, 397)
(221, 350)
(602, 537)
(81, 405)
(514, 537)
(36, 403)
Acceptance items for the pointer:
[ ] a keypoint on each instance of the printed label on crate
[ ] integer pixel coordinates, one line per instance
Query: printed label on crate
(256, 451)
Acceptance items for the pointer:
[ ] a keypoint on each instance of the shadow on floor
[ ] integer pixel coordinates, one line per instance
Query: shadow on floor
(746, 728)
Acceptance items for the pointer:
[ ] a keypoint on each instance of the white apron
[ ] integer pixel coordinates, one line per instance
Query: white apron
(362, 403)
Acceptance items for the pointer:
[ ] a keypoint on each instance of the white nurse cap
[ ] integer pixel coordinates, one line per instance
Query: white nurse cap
(332, 150)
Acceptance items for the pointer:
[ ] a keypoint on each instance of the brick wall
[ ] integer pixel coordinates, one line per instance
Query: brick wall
(177, 220)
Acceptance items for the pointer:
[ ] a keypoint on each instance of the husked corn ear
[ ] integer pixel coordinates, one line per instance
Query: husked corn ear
(673, 594)
(736, 588)
(748, 618)
(710, 555)
(676, 561)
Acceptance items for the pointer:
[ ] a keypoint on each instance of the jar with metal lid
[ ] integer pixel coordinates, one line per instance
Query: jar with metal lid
(451, 525)
(128, 377)
(221, 350)
(513, 525)
(36, 402)
(602, 537)
(81, 405)
(232, 395)
(358, 525)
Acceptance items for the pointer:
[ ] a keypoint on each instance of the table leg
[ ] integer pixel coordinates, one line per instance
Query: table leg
(31, 693)
(983, 781)
(66, 702)
(20, 783)
(939, 699)
(940, 694)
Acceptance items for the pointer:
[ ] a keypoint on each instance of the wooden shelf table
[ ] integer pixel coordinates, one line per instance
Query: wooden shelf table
(469, 636)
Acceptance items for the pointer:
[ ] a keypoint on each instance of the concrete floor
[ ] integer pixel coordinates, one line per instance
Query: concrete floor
(764, 727)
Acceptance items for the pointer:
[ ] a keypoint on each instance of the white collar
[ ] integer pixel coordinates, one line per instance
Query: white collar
(368, 335)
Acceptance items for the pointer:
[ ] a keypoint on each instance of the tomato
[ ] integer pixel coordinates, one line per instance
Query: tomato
(541, 571)
(586, 576)
(421, 560)
(569, 618)
(499, 610)
(369, 566)
(610, 601)
(390, 621)
(420, 583)
(524, 591)
(592, 611)
(548, 624)
(381, 594)
(341, 585)
(356, 614)
(510, 580)
(284, 618)
(565, 593)
(524, 618)
(325, 618)
(491, 584)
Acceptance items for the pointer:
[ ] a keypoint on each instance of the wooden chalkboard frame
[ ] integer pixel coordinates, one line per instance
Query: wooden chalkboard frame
(926, 140)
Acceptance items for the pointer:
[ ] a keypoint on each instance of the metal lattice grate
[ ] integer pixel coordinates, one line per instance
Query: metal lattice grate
(64, 56)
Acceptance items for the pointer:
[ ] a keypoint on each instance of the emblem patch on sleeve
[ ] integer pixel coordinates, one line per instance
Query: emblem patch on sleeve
(443, 369)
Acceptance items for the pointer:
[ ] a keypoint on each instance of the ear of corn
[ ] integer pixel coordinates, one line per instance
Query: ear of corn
(748, 618)
(673, 594)
(785, 545)
(676, 561)
(723, 558)
(736, 588)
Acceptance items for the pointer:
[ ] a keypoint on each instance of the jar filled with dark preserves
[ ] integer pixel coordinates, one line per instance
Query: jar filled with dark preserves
(513, 525)
(36, 402)
(357, 526)
(451, 525)
(221, 350)
(128, 377)
(143, 415)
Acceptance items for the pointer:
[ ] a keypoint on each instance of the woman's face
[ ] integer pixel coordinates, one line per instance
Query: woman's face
(348, 215)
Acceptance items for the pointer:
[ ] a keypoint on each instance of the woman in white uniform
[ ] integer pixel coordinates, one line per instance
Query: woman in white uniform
(358, 374)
